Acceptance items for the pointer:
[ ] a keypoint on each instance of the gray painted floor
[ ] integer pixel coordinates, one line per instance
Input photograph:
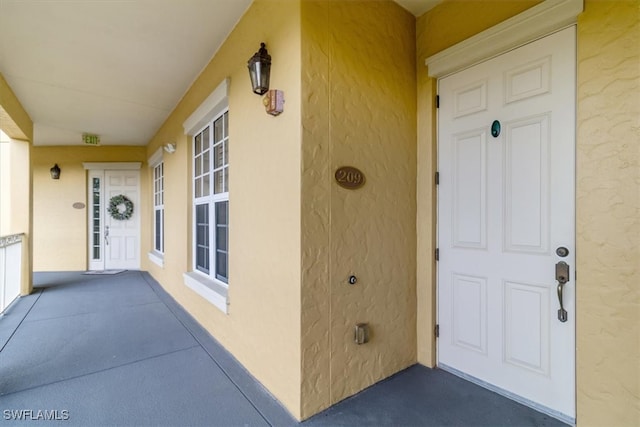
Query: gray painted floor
(117, 350)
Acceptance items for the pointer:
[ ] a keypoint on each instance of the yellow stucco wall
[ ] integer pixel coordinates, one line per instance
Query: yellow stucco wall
(608, 214)
(608, 206)
(262, 329)
(359, 109)
(59, 230)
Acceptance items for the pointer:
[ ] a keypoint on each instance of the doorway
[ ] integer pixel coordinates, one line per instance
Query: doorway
(506, 224)
(114, 216)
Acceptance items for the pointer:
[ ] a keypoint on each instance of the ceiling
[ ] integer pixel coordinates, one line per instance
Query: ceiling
(115, 68)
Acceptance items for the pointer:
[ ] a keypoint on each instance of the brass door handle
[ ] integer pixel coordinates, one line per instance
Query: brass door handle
(562, 276)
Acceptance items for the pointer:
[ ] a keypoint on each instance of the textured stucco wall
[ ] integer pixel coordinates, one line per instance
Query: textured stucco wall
(443, 26)
(359, 109)
(608, 214)
(315, 219)
(262, 329)
(59, 230)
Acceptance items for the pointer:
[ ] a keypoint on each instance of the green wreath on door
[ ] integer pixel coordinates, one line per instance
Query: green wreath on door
(115, 210)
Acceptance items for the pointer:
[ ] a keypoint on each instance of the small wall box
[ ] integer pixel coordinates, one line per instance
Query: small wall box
(274, 102)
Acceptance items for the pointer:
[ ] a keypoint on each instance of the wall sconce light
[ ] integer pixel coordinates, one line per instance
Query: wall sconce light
(260, 70)
(170, 148)
(55, 172)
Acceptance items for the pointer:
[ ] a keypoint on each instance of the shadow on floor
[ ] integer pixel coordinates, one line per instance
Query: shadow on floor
(118, 350)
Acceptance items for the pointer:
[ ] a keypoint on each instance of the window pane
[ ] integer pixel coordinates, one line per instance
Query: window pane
(202, 238)
(226, 152)
(218, 160)
(198, 148)
(222, 209)
(198, 165)
(226, 179)
(206, 187)
(205, 139)
(198, 187)
(222, 239)
(218, 182)
(221, 266)
(218, 132)
(226, 124)
(202, 214)
(158, 234)
(205, 161)
(202, 261)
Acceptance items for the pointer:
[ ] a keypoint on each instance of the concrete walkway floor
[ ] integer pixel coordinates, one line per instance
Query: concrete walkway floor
(117, 350)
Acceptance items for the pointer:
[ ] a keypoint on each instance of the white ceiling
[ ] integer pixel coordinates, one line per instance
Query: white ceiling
(115, 68)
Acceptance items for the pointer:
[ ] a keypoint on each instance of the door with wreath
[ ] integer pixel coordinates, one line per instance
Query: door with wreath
(114, 220)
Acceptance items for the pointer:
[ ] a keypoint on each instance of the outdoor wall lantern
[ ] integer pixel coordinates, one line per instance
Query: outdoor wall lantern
(55, 172)
(259, 70)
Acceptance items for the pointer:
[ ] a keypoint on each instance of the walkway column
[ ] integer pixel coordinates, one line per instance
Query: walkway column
(16, 189)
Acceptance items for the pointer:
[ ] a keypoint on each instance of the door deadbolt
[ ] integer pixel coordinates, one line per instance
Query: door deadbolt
(562, 252)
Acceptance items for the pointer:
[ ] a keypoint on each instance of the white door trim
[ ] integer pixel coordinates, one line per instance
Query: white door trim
(536, 22)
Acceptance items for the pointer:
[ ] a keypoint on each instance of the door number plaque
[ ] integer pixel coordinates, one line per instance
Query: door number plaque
(349, 177)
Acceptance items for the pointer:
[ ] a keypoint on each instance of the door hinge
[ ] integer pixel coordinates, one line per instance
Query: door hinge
(437, 178)
(437, 254)
(437, 101)
(436, 331)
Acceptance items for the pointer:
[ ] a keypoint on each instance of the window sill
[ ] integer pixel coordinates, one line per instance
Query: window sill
(156, 258)
(208, 289)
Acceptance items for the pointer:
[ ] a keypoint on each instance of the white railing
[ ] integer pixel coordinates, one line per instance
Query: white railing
(10, 269)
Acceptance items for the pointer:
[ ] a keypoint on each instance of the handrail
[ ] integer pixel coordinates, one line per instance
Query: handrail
(11, 266)
(11, 239)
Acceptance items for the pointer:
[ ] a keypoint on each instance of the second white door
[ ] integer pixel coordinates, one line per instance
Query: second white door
(122, 240)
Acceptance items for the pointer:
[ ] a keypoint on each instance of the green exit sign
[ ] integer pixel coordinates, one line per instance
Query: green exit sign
(90, 139)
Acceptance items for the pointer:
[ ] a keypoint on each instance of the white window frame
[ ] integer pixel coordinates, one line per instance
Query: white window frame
(211, 199)
(207, 285)
(155, 161)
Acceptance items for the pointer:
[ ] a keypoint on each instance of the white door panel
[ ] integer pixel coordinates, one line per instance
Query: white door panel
(505, 203)
(122, 245)
(113, 244)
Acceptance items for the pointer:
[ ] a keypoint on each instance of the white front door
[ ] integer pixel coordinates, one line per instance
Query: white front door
(506, 210)
(114, 243)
